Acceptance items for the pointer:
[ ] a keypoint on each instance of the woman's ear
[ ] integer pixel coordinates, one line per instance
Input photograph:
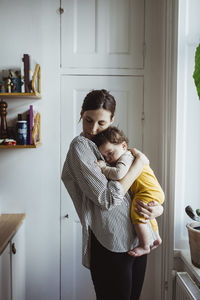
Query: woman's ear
(124, 145)
(81, 115)
(112, 119)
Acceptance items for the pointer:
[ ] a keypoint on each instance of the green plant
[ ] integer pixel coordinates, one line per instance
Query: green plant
(196, 74)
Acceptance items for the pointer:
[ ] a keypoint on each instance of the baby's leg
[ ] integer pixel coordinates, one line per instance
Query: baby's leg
(143, 234)
(157, 241)
(157, 238)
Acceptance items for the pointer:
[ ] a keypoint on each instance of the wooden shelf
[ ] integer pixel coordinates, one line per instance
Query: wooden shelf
(35, 95)
(19, 146)
(9, 223)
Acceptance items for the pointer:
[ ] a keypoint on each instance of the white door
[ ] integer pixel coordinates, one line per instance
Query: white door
(102, 34)
(128, 91)
(104, 37)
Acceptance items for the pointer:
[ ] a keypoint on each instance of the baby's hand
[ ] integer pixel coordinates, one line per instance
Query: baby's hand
(101, 163)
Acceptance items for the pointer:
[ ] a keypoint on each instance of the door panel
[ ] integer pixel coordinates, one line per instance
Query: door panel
(18, 266)
(128, 91)
(102, 34)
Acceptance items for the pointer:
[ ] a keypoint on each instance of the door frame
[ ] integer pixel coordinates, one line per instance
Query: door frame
(169, 144)
(168, 140)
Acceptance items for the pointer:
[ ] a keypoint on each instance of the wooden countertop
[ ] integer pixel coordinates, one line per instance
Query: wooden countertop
(9, 223)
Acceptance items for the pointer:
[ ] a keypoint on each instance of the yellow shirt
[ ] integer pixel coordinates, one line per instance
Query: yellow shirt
(146, 188)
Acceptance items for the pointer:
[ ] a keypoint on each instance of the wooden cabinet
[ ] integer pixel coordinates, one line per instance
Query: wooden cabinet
(12, 259)
(18, 265)
(5, 274)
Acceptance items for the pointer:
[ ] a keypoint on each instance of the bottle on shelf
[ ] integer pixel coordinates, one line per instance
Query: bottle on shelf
(3, 113)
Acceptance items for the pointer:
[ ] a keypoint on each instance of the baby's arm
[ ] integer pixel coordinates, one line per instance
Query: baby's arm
(121, 168)
(101, 164)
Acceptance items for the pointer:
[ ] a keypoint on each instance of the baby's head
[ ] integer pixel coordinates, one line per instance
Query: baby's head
(112, 143)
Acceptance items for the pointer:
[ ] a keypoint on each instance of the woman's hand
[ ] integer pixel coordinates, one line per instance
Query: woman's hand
(148, 211)
(138, 154)
(135, 169)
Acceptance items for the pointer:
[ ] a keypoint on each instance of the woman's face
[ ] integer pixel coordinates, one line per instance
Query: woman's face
(95, 121)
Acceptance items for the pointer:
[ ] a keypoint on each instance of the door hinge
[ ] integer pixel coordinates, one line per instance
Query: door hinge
(13, 248)
(143, 116)
(60, 10)
(144, 50)
(166, 285)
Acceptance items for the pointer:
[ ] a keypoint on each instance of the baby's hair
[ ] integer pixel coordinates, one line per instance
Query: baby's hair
(112, 134)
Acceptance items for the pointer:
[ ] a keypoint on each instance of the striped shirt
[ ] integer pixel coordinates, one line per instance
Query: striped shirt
(99, 203)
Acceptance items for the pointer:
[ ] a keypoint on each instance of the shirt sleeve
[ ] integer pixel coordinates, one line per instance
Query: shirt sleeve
(121, 168)
(80, 163)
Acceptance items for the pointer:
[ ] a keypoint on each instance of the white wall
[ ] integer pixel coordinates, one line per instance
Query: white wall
(30, 179)
(188, 120)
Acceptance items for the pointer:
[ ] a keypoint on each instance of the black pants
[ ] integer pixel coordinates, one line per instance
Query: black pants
(116, 276)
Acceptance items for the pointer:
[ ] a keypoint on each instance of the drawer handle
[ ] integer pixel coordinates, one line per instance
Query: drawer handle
(13, 248)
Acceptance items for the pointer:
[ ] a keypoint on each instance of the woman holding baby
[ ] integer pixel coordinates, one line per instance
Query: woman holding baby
(103, 206)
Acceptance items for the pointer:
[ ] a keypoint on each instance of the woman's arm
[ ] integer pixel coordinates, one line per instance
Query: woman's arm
(135, 169)
(148, 211)
(83, 178)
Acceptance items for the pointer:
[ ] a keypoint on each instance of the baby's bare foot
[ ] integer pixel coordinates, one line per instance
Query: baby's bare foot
(156, 243)
(139, 251)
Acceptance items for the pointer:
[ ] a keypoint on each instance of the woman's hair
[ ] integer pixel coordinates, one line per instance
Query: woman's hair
(112, 134)
(97, 99)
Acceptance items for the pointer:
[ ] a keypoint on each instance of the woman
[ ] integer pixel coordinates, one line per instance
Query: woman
(104, 207)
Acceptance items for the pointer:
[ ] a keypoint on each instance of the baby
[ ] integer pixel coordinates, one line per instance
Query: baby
(112, 144)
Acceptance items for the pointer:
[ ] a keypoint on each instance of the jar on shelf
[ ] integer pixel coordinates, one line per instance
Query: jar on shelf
(22, 132)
